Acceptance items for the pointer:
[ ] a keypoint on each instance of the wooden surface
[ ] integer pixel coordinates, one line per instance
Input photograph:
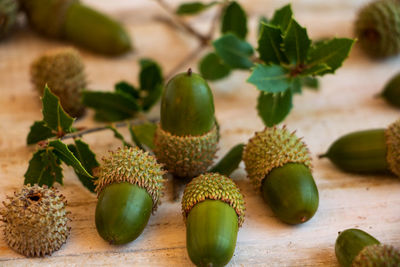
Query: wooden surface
(345, 103)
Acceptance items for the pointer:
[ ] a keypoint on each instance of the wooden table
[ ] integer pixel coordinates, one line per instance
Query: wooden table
(344, 103)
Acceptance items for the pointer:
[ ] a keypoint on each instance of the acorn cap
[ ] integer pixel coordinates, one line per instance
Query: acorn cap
(134, 166)
(186, 156)
(393, 147)
(35, 221)
(377, 255)
(378, 28)
(8, 16)
(63, 71)
(216, 187)
(270, 149)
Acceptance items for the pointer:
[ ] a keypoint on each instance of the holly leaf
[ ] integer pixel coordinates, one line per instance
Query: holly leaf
(270, 44)
(39, 131)
(234, 20)
(269, 78)
(85, 155)
(332, 53)
(151, 82)
(296, 85)
(143, 134)
(273, 108)
(296, 43)
(282, 17)
(213, 68)
(233, 51)
(127, 88)
(261, 20)
(193, 8)
(53, 114)
(315, 70)
(230, 161)
(118, 135)
(310, 82)
(44, 169)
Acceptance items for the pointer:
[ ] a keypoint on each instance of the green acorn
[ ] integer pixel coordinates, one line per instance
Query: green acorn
(63, 71)
(8, 16)
(186, 139)
(213, 208)
(391, 92)
(73, 21)
(356, 248)
(279, 163)
(378, 28)
(35, 221)
(366, 151)
(129, 188)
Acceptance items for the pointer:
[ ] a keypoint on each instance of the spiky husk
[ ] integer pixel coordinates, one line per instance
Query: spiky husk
(186, 156)
(377, 255)
(8, 16)
(63, 71)
(270, 149)
(378, 28)
(213, 186)
(134, 166)
(392, 134)
(35, 221)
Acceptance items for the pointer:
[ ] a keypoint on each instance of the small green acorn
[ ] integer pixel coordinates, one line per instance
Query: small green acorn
(391, 92)
(213, 208)
(8, 16)
(279, 164)
(368, 151)
(73, 21)
(356, 248)
(378, 28)
(186, 138)
(129, 188)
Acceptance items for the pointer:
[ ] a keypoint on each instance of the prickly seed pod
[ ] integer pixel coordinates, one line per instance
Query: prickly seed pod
(63, 71)
(378, 28)
(8, 16)
(278, 163)
(213, 208)
(129, 188)
(35, 221)
(356, 248)
(186, 139)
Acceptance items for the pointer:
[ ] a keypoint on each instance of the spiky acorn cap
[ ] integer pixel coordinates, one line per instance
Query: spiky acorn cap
(377, 255)
(272, 148)
(392, 134)
(8, 16)
(213, 186)
(134, 166)
(186, 156)
(63, 71)
(378, 28)
(35, 221)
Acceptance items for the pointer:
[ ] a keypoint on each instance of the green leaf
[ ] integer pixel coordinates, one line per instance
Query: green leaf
(86, 156)
(282, 17)
(270, 44)
(234, 52)
(64, 154)
(261, 20)
(213, 68)
(315, 70)
(230, 161)
(39, 131)
(118, 135)
(53, 114)
(128, 89)
(151, 82)
(310, 82)
(296, 85)
(273, 108)
(296, 43)
(234, 20)
(44, 169)
(271, 79)
(193, 8)
(152, 98)
(332, 53)
(144, 134)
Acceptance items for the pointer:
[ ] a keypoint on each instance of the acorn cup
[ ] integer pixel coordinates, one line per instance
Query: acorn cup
(186, 138)
(356, 248)
(279, 164)
(73, 21)
(8, 16)
(391, 92)
(129, 189)
(368, 151)
(213, 208)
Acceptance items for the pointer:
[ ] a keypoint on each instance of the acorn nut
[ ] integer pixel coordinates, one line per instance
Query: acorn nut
(129, 188)
(366, 151)
(213, 208)
(8, 16)
(279, 164)
(391, 92)
(187, 136)
(356, 248)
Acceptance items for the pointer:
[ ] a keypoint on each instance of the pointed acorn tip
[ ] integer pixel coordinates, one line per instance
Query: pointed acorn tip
(189, 71)
(323, 156)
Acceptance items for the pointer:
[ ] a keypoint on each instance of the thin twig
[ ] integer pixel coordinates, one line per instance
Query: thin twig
(214, 22)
